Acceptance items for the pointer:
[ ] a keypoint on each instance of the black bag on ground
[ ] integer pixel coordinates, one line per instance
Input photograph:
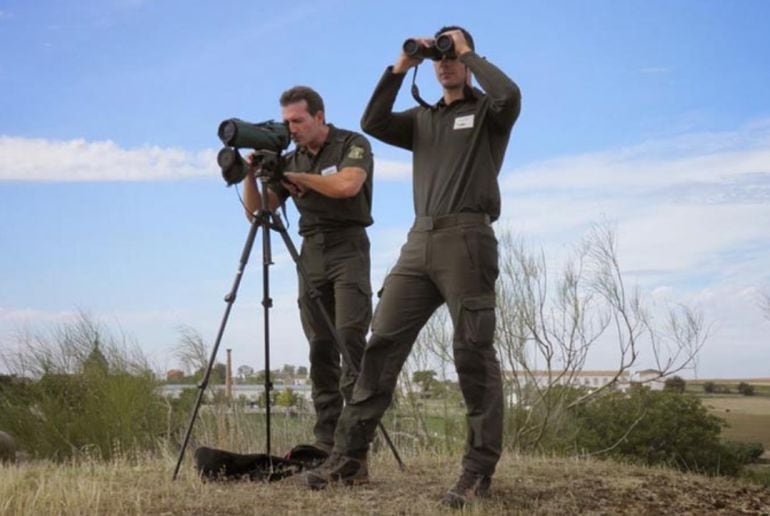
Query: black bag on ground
(213, 464)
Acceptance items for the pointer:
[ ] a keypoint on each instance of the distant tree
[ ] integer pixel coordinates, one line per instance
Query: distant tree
(709, 387)
(96, 363)
(746, 389)
(244, 372)
(218, 373)
(302, 371)
(675, 383)
(174, 375)
(425, 379)
(288, 369)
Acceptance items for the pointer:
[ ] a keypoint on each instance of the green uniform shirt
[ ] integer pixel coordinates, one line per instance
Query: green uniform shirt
(446, 179)
(319, 213)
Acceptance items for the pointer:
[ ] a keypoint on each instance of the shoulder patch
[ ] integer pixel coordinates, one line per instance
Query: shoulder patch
(356, 152)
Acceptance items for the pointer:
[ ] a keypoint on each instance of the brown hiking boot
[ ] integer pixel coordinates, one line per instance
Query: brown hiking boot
(468, 487)
(338, 469)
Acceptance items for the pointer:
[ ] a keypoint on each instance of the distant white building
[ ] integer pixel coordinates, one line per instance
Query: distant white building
(588, 379)
(249, 392)
(649, 378)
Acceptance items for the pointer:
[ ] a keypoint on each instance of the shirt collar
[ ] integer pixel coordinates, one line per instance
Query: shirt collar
(469, 93)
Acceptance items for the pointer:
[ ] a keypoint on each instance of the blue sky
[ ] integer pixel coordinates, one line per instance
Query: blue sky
(652, 114)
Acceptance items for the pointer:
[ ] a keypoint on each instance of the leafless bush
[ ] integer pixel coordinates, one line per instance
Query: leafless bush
(549, 330)
(552, 321)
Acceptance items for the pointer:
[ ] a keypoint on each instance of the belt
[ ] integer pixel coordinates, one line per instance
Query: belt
(332, 236)
(447, 221)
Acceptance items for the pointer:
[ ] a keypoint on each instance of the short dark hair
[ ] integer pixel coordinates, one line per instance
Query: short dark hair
(467, 34)
(298, 93)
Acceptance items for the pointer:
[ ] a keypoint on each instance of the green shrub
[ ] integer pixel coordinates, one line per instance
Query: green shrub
(675, 383)
(663, 427)
(81, 392)
(746, 453)
(746, 389)
(61, 416)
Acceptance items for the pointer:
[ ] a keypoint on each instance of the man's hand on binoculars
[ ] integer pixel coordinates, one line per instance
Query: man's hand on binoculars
(461, 45)
(404, 62)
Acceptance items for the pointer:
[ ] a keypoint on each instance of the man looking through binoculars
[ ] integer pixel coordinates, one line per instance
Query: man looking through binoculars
(329, 176)
(450, 255)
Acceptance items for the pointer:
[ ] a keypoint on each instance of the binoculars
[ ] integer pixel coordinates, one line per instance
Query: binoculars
(442, 46)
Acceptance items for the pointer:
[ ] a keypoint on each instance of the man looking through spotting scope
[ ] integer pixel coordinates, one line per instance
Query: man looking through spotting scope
(450, 255)
(329, 176)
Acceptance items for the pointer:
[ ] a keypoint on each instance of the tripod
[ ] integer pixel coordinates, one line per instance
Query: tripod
(267, 220)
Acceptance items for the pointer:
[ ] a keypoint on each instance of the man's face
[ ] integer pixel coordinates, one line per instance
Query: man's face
(451, 73)
(304, 128)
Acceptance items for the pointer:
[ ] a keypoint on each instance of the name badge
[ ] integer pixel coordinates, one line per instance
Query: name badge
(464, 122)
(329, 170)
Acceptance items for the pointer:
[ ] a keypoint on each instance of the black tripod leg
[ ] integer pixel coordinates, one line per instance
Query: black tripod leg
(229, 299)
(267, 304)
(343, 351)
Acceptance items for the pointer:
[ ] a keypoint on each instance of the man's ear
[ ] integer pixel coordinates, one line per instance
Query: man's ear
(320, 117)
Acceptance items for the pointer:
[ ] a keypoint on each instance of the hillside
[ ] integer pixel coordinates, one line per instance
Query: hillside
(523, 485)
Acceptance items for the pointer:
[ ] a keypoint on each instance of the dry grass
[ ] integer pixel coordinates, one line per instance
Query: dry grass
(523, 485)
(753, 405)
(748, 417)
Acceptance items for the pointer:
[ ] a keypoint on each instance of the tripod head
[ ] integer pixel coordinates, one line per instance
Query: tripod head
(268, 165)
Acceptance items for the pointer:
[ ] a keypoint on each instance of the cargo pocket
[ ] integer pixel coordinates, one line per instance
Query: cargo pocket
(361, 314)
(477, 321)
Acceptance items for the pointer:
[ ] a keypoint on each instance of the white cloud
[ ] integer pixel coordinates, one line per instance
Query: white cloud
(28, 159)
(680, 204)
(692, 237)
(37, 159)
(647, 167)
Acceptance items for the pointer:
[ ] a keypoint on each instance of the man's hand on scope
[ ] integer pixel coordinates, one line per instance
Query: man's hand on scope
(292, 184)
(252, 161)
